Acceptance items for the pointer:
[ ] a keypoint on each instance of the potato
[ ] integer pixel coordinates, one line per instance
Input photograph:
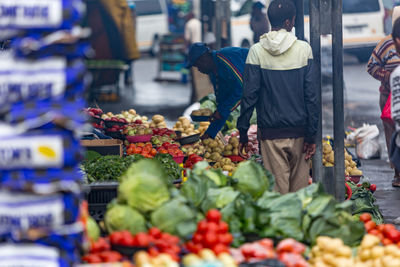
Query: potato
(157, 118)
(227, 153)
(227, 168)
(197, 113)
(327, 148)
(235, 152)
(228, 147)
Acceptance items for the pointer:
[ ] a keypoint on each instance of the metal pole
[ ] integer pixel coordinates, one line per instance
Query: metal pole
(218, 17)
(299, 23)
(315, 40)
(338, 103)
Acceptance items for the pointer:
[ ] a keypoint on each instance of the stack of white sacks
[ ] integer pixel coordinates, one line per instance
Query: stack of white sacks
(42, 82)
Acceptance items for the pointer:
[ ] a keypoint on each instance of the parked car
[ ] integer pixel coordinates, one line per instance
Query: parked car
(151, 24)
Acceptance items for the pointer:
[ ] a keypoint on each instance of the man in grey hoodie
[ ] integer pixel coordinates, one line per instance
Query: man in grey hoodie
(278, 82)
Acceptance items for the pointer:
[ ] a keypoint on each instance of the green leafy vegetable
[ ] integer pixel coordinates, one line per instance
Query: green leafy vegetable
(217, 198)
(108, 168)
(252, 179)
(123, 217)
(93, 229)
(174, 217)
(143, 186)
(171, 168)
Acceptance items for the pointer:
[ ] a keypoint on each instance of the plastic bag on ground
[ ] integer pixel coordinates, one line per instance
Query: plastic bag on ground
(367, 141)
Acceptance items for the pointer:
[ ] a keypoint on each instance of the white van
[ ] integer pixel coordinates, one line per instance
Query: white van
(151, 24)
(363, 27)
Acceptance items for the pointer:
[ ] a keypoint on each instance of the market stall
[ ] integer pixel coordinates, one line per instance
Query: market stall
(182, 200)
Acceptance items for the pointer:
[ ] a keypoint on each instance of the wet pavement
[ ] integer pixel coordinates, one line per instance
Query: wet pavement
(361, 104)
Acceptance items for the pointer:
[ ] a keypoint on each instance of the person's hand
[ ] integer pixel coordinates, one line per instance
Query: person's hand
(309, 150)
(205, 136)
(216, 116)
(243, 150)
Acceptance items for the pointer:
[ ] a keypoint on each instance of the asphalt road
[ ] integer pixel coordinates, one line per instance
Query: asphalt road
(361, 106)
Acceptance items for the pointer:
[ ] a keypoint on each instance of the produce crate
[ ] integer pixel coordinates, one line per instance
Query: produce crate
(98, 196)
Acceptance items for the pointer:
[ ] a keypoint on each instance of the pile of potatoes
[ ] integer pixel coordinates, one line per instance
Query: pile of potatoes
(203, 126)
(232, 149)
(214, 149)
(185, 127)
(226, 165)
(202, 112)
(331, 252)
(158, 121)
(196, 148)
(329, 161)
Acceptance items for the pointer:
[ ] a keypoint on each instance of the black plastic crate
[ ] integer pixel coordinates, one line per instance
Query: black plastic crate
(98, 196)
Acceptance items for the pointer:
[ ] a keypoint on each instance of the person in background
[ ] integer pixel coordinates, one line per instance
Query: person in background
(278, 82)
(129, 73)
(383, 61)
(225, 68)
(388, 7)
(258, 22)
(395, 90)
(192, 29)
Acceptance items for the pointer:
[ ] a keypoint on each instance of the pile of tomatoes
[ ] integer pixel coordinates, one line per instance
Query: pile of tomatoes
(288, 251)
(172, 149)
(212, 233)
(146, 150)
(154, 240)
(387, 233)
(100, 251)
(192, 160)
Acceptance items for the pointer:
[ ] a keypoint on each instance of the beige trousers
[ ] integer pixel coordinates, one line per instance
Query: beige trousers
(285, 159)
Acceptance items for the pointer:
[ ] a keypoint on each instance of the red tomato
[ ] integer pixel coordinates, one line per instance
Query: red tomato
(174, 240)
(213, 216)
(365, 217)
(161, 244)
(374, 232)
(175, 248)
(380, 236)
(153, 252)
(223, 227)
(202, 226)
(92, 258)
(292, 259)
(266, 243)
(127, 240)
(219, 248)
(393, 235)
(290, 245)
(387, 241)
(369, 225)
(142, 240)
(247, 250)
(155, 232)
(110, 256)
(210, 240)
(100, 245)
(116, 237)
(225, 239)
(197, 238)
(212, 227)
(380, 228)
(373, 187)
(387, 228)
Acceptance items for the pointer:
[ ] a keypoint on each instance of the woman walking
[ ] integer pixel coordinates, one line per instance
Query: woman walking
(383, 61)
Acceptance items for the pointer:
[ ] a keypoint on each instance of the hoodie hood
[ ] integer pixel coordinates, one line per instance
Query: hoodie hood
(277, 42)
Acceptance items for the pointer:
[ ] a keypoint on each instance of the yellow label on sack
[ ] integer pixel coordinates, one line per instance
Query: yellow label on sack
(47, 152)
